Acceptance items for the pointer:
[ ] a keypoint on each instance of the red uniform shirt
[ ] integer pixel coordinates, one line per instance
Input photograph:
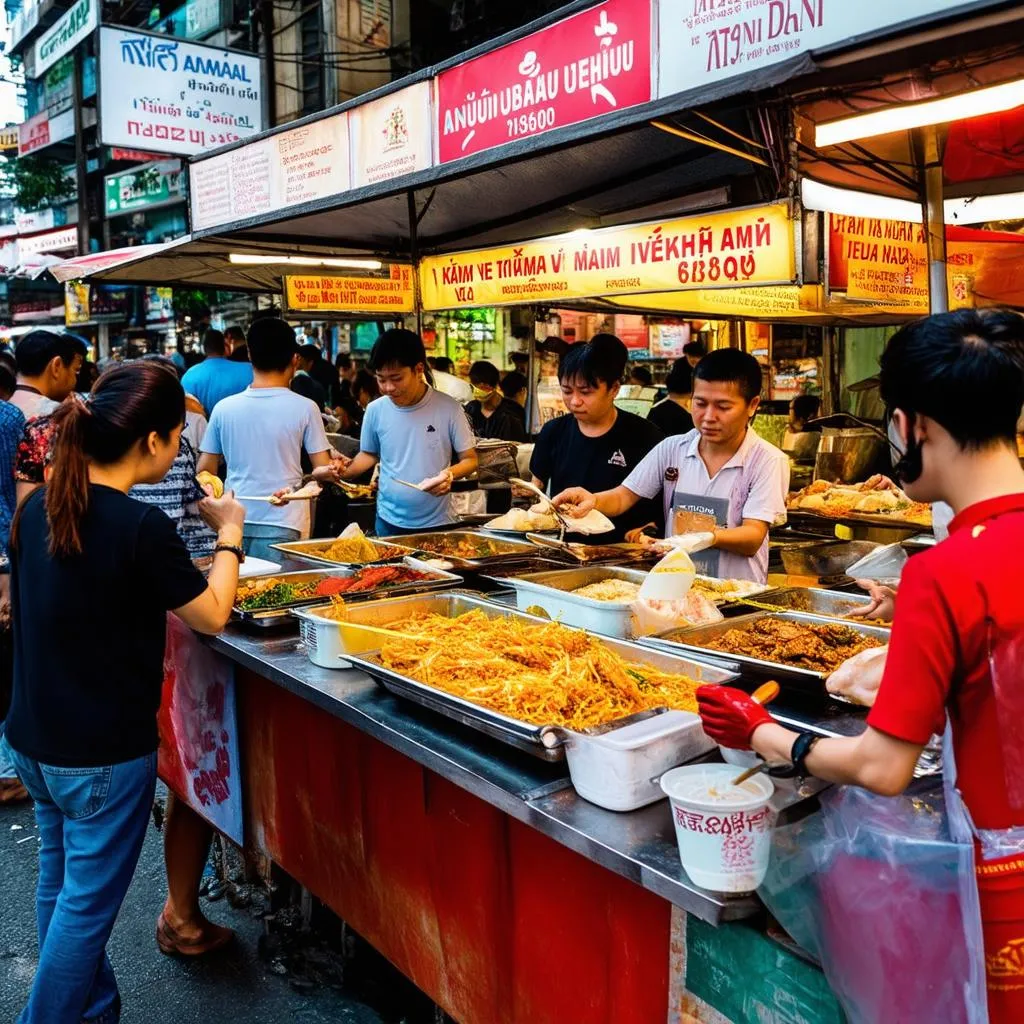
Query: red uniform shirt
(938, 655)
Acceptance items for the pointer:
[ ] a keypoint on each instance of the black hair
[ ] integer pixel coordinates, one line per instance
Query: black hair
(310, 352)
(7, 359)
(397, 347)
(964, 369)
(442, 363)
(519, 357)
(38, 348)
(483, 372)
(129, 402)
(695, 348)
(343, 361)
(365, 381)
(8, 381)
(154, 357)
(642, 374)
(272, 344)
(680, 378)
(512, 383)
(234, 332)
(213, 342)
(730, 364)
(805, 407)
(601, 360)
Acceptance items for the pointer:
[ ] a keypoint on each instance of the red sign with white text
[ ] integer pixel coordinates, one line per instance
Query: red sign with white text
(590, 64)
(33, 134)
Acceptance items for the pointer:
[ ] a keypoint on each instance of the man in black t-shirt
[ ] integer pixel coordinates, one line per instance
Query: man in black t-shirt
(595, 442)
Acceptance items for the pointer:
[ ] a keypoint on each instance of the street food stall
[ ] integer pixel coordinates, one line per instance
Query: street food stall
(366, 744)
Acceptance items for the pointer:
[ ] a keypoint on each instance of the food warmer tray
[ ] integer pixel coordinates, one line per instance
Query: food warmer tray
(505, 550)
(545, 742)
(280, 616)
(807, 515)
(807, 681)
(306, 551)
(831, 604)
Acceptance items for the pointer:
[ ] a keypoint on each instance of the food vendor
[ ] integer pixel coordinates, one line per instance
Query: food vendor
(417, 434)
(954, 384)
(720, 478)
(595, 445)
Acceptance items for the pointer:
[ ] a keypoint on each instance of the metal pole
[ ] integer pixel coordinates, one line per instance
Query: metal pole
(81, 184)
(267, 22)
(934, 218)
(414, 256)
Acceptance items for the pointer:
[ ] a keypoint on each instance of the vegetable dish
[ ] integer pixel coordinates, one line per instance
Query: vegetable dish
(278, 592)
(542, 674)
(819, 648)
(354, 550)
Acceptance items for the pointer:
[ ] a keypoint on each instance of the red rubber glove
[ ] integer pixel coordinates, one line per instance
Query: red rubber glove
(729, 715)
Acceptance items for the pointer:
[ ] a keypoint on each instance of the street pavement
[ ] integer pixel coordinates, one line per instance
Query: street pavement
(236, 985)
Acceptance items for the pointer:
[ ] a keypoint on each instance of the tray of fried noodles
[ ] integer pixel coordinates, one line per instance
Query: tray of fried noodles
(514, 676)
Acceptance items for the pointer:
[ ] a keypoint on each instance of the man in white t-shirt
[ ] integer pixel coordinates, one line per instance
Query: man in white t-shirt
(720, 478)
(262, 432)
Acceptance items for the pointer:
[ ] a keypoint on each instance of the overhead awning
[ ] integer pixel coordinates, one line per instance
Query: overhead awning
(211, 262)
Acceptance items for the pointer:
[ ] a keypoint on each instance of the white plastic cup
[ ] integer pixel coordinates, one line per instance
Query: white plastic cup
(724, 844)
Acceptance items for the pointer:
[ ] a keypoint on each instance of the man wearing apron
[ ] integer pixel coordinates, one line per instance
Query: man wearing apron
(720, 478)
(955, 385)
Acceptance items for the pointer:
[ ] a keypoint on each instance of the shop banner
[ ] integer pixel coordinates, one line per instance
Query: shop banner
(297, 166)
(50, 241)
(885, 262)
(76, 303)
(198, 756)
(33, 134)
(58, 87)
(713, 250)
(581, 67)
(391, 136)
(138, 156)
(9, 140)
(152, 185)
(707, 41)
(34, 220)
(65, 35)
(328, 293)
(175, 97)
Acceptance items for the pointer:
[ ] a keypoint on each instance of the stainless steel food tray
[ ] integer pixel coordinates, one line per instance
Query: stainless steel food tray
(268, 618)
(541, 741)
(505, 550)
(691, 640)
(306, 551)
(830, 604)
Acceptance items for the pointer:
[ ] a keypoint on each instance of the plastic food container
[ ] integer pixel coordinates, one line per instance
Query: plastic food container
(618, 769)
(724, 837)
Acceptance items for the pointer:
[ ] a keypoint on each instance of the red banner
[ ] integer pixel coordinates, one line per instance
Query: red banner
(590, 64)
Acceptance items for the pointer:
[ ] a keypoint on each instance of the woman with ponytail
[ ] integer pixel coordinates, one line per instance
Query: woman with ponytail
(92, 569)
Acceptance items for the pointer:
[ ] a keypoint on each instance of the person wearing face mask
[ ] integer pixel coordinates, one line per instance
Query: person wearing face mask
(954, 384)
(490, 414)
(720, 478)
(596, 445)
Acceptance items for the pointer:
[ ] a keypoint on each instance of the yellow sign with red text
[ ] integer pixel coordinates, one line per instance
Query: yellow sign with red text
(732, 249)
(331, 293)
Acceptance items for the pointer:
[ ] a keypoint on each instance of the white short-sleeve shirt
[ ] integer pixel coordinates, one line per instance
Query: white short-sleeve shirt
(754, 481)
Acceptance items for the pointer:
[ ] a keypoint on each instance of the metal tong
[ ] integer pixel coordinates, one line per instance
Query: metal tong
(563, 523)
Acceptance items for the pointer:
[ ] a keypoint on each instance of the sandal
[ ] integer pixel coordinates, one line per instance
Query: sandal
(213, 937)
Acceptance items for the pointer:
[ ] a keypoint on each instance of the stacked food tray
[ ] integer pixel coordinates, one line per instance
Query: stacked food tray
(313, 551)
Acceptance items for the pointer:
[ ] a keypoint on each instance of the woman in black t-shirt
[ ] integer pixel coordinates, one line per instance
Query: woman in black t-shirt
(94, 570)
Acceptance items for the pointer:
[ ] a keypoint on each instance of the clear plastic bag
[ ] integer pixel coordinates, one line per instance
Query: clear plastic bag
(876, 889)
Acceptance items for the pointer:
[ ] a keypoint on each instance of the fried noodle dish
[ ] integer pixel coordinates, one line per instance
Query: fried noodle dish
(356, 550)
(542, 674)
(819, 648)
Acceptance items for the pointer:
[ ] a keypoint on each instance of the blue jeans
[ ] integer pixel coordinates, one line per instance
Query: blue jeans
(6, 764)
(92, 822)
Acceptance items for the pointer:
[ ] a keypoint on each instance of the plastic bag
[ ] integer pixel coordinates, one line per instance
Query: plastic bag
(883, 563)
(695, 609)
(878, 892)
(859, 677)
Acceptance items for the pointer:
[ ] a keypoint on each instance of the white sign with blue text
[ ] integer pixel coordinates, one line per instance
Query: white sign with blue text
(166, 95)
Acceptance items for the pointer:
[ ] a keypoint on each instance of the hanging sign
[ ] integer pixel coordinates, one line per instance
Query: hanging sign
(581, 67)
(76, 303)
(329, 293)
(65, 35)
(171, 96)
(155, 184)
(391, 136)
(731, 249)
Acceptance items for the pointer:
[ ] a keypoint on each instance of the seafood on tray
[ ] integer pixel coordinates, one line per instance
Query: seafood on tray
(874, 497)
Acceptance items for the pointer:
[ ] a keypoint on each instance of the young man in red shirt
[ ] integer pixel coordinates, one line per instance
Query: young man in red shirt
(954, 385)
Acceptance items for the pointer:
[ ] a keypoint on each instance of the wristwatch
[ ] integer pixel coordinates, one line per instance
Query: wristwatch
(797, 768)
(234, 549)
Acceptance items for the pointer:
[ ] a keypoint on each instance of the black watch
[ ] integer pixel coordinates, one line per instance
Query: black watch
(234, 549)
(797, 767)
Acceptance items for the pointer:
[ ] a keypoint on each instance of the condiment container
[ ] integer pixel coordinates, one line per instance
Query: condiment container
(724, 832)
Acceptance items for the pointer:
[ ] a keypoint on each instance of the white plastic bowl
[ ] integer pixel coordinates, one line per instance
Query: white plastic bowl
(724, 836)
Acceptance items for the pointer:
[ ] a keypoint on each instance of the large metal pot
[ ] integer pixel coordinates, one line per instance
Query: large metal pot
(846, 454)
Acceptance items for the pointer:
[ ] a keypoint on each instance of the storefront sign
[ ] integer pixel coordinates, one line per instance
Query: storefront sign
(66, 34)
(58, 87)
(732, 249)
(33, 134)
(193, 20)
(391, 136)
(36, 220)
(328, 293)
(581, 67)
(151, 185)
(159, 305)
(175, 97)
(706, 41)
(23, 22)
(9, 139)
(43, 309)
(297, 166)
(136, 155)
(51, 241)
(76, 303)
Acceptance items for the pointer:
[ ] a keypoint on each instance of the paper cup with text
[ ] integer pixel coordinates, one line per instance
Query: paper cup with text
(724, 832)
